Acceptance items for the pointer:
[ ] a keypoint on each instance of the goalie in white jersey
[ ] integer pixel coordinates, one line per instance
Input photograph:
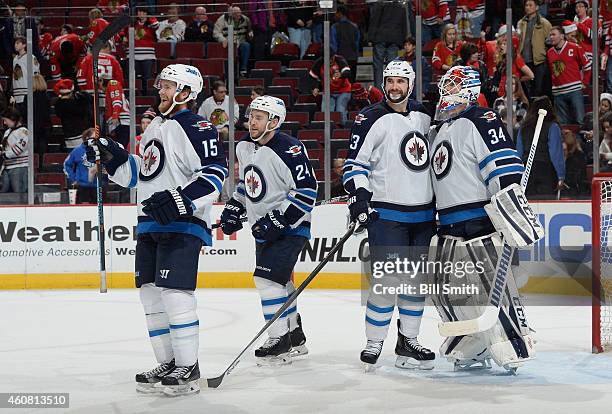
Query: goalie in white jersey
(178, 177)
(386, 174)
(277, 190)
(474, 159)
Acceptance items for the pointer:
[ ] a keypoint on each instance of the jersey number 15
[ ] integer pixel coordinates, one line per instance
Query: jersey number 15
(210, 148)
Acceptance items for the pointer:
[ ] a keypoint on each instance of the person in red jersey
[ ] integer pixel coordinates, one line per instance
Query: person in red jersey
(107, 65)
(117, 113)
(446, 51)
(66, 53)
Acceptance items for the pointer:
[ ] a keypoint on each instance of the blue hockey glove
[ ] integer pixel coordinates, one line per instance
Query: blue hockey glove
(166, 206)
(110, 153)
(230, 217)
(359, 207)
(270, 227)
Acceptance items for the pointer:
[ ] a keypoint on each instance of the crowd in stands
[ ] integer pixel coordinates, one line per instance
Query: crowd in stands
(278, 50)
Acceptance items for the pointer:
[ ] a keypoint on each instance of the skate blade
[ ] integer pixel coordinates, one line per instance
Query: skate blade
(153, 388)
(299, 350)
(473, 365)
(273, 361)
(368, 368)
(192, 387)
(411, 363)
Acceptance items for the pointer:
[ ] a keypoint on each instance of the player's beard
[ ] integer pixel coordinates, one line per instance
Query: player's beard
(164, 106)
(402, 97)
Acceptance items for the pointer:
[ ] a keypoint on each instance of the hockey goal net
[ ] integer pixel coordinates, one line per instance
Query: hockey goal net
(602, 262)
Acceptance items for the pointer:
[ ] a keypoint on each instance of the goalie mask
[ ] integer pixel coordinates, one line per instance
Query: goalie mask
(400, 69)
(459, 88)
(182, 75)
(274, 107)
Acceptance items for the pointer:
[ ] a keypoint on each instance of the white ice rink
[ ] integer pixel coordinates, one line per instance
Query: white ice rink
(92, 345)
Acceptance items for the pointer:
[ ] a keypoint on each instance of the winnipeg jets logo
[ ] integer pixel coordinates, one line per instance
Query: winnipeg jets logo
(202, 125)
(414, 151)
(442, 159)
(254, 182)
(294, 150)
(153, 157)
(359, 119)
(489, 116)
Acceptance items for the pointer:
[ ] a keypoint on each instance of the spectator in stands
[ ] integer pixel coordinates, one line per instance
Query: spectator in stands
(520, 103)
(173, 28)
(20, 75)
(114, 6)
(340, 85)
(14, 150)
(575, 166)
(144, 45)
(201, 27)
(66, 54)
(345, 39)
(299, 22)
(605, 106)
(469, 56)
(97, 23)
(584, 24)
(469, 18)
(44, 39)
(434, 13)
(117, 111)
(337, 189)
(503, 114)
(360, 97)
(605, 148)
(42, 117)
(571, 35)
(410, 57)
(216, 109)
(519, 67)
(565, 60)
(447, 49)
(107, 64)
(242, 34)
(534, 30)
(81, 174)
(387, 31)
(256, 92)
(74, 110)
(226, 191)
(548, 169)
(146, 119)
(16, 27)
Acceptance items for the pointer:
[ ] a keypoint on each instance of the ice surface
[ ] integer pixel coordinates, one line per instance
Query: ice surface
(92, 345)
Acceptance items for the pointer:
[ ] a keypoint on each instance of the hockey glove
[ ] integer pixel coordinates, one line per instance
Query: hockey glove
(359, 207)
(110, 153)
(270, 227)
(230, 217)
(166, 206)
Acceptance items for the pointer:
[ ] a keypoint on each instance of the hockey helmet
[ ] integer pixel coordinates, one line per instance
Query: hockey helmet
(274, 107)
(459, 88)
(400, 69)
(182, 75)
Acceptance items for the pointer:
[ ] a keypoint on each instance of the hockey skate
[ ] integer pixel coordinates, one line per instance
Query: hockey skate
(182, 381)
(149, 382)
(471, 364)
(298, 339)
(410, 354)
(370, 354)
(275, 351)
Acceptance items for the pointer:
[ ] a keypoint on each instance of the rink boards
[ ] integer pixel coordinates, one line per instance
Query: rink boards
(57, 247)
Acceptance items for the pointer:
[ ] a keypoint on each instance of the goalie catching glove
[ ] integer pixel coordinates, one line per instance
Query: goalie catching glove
(166, 206)
(512, 216)
(108, 152)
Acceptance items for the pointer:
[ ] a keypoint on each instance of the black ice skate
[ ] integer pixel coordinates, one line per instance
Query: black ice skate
(182, 381)
(370, 354)
(410, 354)
(275, 351)
(148, 382)
(298, 339)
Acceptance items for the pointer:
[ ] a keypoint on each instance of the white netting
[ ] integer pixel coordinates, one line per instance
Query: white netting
(605, 265)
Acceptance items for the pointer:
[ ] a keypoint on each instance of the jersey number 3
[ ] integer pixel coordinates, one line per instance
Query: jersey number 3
(495, 136)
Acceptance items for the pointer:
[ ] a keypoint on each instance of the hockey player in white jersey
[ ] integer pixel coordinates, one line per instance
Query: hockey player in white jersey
(277, 190)
(178, 176)
(473, 159)
(386, 175)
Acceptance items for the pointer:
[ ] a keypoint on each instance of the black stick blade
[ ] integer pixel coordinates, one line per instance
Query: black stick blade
(214, 382)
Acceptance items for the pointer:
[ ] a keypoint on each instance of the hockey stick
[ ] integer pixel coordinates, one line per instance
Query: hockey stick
(489, 317)
(111, 30)
(317, 204)
(215, 382)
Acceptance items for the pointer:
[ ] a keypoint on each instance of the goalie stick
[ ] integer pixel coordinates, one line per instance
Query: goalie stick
(111, 30)
(317, 204)
(215, 382)
(491, 313)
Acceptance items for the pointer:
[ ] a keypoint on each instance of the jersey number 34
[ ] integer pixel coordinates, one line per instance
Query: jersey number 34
(496, 136)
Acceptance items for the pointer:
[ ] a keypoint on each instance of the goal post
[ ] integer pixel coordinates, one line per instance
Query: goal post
(602, 262)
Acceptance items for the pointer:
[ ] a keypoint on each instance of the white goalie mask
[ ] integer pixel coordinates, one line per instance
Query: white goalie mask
(400, 69)
(274, 107)
(182, 75)
(459, 88)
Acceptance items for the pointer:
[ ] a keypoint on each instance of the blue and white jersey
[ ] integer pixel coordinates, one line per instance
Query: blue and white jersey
(277, 176)
(181, 151)
(473, 158)
(389, 156)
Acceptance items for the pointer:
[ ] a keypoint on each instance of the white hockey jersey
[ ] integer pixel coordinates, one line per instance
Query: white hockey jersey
(277, 176)
(15, 147)
(20, 76)
(184, 151)
(473, 158)
(389, 156)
